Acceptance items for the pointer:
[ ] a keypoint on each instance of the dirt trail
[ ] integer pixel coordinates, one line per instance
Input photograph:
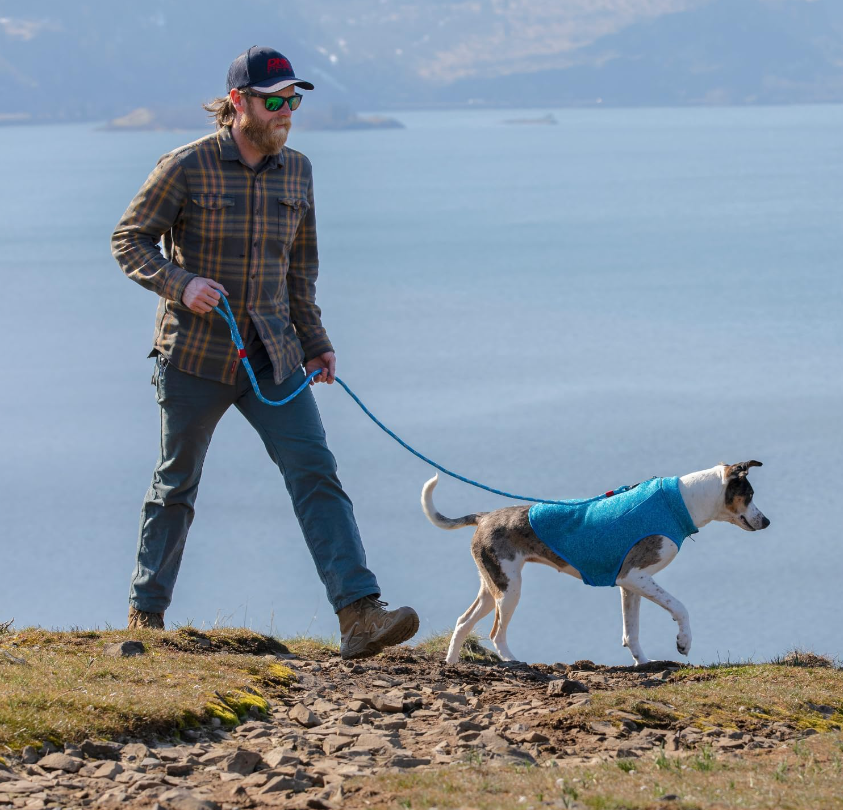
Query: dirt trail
(341, 720)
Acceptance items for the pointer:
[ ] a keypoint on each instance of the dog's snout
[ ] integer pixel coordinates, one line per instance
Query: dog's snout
(765, 522)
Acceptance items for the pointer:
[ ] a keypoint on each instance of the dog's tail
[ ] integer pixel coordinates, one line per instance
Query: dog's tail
(440, 520)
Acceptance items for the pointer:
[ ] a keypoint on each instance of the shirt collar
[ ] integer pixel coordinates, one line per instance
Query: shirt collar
(229, 150)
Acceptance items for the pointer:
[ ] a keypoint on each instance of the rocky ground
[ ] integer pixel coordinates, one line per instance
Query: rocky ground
(342, 720)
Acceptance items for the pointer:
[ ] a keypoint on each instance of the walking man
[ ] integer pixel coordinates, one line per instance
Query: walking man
(235, 210)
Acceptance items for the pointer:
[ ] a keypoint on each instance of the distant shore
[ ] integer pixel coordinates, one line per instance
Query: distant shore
(145, 119)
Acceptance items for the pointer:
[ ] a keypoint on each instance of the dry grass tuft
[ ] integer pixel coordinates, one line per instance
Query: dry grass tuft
(805, 658)
(66, 688)
(233, 640)
(436, 646)
(316, 648)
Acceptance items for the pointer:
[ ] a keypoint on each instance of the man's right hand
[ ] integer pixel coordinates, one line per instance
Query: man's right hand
(202, 294)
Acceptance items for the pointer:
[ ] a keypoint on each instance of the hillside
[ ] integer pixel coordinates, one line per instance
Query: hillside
(190, 720)
(100, 59)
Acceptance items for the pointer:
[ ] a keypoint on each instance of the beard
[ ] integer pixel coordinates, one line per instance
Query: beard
(268, 137)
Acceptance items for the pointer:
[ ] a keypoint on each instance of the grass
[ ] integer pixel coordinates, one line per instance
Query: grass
(786, 778)
(68, 689)
(745, 697)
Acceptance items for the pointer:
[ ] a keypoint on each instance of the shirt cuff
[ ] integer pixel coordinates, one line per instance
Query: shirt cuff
(313, 348)
(177, 280)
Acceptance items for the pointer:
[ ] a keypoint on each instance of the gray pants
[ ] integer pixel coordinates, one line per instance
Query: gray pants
(294, 437)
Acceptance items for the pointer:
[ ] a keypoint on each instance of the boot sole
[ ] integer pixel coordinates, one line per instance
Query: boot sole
(399, 634)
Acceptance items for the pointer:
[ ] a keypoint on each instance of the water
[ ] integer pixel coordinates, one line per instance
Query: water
(552, 310)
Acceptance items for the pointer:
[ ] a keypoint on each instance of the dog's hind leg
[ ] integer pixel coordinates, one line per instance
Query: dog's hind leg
(644, 585)
(630, 606)
(481, 607)
(505, 606)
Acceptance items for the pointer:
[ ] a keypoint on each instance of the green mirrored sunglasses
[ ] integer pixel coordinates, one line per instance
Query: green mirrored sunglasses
(275, 103)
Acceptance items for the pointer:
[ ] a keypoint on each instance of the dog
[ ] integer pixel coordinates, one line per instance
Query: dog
(657, 512)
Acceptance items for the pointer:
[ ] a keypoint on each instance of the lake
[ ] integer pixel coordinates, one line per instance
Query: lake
(552, 310)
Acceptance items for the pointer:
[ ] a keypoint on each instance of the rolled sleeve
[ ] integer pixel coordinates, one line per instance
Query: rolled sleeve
(150, 215)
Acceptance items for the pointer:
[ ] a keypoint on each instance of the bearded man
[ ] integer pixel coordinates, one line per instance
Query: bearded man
(235, 210)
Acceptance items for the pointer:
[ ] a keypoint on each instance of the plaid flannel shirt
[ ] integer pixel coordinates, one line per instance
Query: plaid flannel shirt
(253, 231)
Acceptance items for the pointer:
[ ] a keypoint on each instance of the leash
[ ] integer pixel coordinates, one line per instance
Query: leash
(228, 317)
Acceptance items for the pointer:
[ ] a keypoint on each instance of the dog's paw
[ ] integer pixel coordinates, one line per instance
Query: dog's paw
(683, 643)
(641, 660)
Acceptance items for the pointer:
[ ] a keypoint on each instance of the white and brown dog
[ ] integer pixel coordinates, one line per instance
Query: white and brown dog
(505, 539)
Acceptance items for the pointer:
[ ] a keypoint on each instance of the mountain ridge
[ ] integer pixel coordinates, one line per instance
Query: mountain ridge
(99, 59)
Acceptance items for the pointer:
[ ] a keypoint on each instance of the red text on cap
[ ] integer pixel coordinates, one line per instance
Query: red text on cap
(274, 65)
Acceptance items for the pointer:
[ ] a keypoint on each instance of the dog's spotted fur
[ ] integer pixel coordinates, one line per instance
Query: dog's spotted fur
(504, 541)
(498, 536)
(644, 554)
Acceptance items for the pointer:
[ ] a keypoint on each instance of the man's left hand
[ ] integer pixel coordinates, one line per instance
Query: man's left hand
(327, 362)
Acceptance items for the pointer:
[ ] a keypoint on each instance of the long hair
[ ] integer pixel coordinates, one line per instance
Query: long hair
(222, 111)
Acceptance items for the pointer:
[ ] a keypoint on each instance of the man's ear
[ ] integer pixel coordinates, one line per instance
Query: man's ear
(236, 99)
(741, 469)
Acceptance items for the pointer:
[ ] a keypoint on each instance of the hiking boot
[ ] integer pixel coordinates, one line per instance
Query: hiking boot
(367, 628)
(142, 619)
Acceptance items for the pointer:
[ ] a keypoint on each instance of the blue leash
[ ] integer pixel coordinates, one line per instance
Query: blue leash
(228, 317)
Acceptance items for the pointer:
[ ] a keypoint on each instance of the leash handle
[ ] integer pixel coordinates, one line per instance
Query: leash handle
(228, 317)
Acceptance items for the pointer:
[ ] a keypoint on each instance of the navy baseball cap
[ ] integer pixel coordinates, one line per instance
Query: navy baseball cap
(263, 69)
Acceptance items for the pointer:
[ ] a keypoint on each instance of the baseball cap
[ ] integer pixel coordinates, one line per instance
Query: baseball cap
(263, 69)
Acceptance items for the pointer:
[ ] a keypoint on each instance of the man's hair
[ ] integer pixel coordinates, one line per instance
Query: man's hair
(222, 111)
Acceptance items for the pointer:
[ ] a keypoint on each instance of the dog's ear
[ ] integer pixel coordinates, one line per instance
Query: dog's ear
(737, 470)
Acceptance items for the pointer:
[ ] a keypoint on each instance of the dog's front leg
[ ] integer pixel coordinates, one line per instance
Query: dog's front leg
(643, 584)
(630, 607)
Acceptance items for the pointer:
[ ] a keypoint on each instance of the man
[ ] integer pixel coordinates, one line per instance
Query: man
(235, 210)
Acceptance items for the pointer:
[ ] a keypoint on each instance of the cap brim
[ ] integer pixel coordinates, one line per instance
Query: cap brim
(273, 86)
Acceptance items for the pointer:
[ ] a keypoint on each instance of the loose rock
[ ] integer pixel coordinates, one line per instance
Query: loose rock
(125, 649)
(60, 762)
(564, 686)
(302, 715)
(240, 762)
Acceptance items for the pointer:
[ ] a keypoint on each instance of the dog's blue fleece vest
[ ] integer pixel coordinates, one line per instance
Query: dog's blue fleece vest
(595, 535)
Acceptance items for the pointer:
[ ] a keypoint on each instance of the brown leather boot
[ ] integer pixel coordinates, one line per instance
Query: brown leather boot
(367, 628)
(142, 619)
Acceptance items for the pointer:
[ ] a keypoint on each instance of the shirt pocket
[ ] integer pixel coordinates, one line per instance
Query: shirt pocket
(291, 211)
(213, 214)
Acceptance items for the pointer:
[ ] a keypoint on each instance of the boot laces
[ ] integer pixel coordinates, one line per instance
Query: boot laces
(375, 601)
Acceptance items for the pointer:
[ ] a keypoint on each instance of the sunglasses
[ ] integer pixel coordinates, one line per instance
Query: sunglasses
(275, 103)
